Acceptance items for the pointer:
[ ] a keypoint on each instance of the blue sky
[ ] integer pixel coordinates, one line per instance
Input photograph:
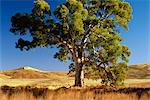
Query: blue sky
(137, 38)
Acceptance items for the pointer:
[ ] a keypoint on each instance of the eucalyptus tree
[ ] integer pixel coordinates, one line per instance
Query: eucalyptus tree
(85, 31)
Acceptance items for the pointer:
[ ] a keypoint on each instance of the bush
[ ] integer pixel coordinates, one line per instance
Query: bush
(115, 74)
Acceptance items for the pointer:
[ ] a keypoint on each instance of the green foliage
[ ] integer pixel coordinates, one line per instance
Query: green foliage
(92, 72)
(62, 55)
(40, 8)
(61, 11)
(116, 74)
(79, 29)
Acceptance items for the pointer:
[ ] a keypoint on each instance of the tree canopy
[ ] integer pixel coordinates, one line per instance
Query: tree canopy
(85, 31)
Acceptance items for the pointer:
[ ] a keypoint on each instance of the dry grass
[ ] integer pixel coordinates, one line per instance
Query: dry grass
(54, 80)
(139, 71)
(2, 76)
(30, 74)
(94, 93)
(57, 82)
(32, 84)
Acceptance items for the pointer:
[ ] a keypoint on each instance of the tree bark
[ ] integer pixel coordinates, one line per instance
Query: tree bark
(78, 70)
(79, 75)
(82, 77)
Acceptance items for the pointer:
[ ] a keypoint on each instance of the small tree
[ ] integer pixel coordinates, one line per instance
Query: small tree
(84, 31)
(115, 74)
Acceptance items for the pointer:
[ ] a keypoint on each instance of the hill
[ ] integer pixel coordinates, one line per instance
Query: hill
(30, 73)
(138, 71)
(2, 76)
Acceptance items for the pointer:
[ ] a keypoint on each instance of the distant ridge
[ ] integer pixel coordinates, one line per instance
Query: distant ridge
(136, 71)
(30, 68)
(2, 76)
(139, 71)
(27, 72)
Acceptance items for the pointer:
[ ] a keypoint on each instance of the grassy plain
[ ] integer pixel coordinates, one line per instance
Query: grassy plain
(139, 75)
(32, 84)
(56, 82)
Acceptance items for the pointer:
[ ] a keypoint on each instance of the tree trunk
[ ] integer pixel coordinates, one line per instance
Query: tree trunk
(82, 77)
(79, 75)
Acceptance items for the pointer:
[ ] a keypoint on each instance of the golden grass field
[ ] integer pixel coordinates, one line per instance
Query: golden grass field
(63, 93)
(67, 82)
(139, 75)
(26, 83)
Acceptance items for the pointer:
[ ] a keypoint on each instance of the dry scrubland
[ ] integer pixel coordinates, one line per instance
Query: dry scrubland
(29, 83)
